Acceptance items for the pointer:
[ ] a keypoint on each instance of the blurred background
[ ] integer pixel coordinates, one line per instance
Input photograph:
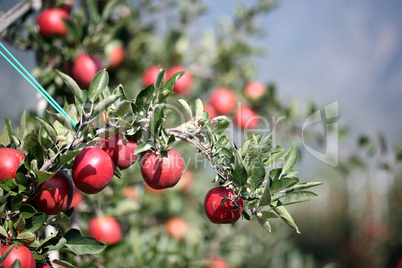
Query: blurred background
(321, 52)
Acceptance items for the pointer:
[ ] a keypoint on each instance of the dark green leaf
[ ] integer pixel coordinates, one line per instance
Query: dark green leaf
(68, 156)
(144, 98)
(172, 81)
(15, 202)
(160, 79)
(85, 245)
(3, 231)
(27, 211)
(98, 85)
(284, 214)
(296, 197)
(122, 108)
(72, 234)
(240, 175)
(257, 174)
(144, 147)
(278, 185)
(35, 222)
(266, 197)
(156, 119)
(48, 128)
(44, 176)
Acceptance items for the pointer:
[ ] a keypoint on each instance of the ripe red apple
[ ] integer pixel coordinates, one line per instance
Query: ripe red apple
(222, 214)
(93, 170)
(246, 118)
(85, 68)
(254, 90)
(9, 162)
(185, 82)
(164, 172)
(105, 229)
(115, 54)
(210, 110)
(217, 263)
(21, 253)
(223, 100)
(150, 75)
(176, 227)
(120, 150)
(50, 22)
(77, 198)
(57, 200)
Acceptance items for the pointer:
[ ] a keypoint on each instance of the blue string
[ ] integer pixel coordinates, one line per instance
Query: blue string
(38, 86)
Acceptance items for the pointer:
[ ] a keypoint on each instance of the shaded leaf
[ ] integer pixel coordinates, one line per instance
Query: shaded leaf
(98, 84)
(239, 175)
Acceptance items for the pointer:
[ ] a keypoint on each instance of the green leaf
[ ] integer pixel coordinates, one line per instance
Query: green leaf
(156, 119)
(5, 137)
(274, 156)
(35, 150)
(68, 156)
(290, 160)
(144, 147)
(186, 107)
(104, 104)
(240, 175)
(266, 197)
(257, 174)
(266, 147)
(27, 210)
(48, 128)
(144, 98)
(264, 223)
(72, 234)
(65, 121)
(223, 123)
(44, 176)
(227, 152)
(8, 184)
(26, 237)
(269, 215)
(122, 108)
(304, 185)
(296, 197)
(64, 264)
(98, 85)
(172, 81)
(160, 79)
(35, 222)
(3, 231)
(73, 86)
(199, 109)
(278, 185)
(23, 125)
(16, 202)
(85, 245)
(286, 217)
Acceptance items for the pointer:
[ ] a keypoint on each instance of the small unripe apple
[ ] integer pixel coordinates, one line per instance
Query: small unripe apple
(93, 170)
(115, 54)
(105, 229)
(223, 100)
(246, 118)
(85, 68)
(176, 227)
(19, 252)
(55, 200)
(254, 90)
(120, 150)
(222, 214)
(162, 172)
(150, 75)
(185, 82)
(50, 22)
(9, 162)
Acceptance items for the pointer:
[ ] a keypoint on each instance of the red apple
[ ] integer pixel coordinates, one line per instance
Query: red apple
(105, 229)
(246, 118)
(163, 172)
(185, 82)
(254, 90)
(217, 263)
(222, 214)
(9, 162)
(50, 22)
(150, 75)
(93, 170)
(85, 68)
(57, 200)
(115, 54)
(210, 110)
(120, 150)
(223, 100)
(21, 253)
(77, 198)
(176, 227)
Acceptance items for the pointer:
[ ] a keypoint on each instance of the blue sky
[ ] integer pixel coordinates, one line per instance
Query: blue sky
(350, 51)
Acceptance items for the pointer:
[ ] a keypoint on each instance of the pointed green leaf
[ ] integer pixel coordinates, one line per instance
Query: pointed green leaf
(144, 97)
(266, 147)
(296, 197)
(27, 210)
(104, 104)
(223, 123)
(68, 156)
(275, 155)
(269, 215)
(156, 119)
(73, 86)
(266, 197)
(35, 222)
(85, 245)
(5, 137)
(304, 185)
(257, 174)
(23, 125)
(48, 128)
(160, 79)
(264, 223)
(239, 175)
(199, 109)
(285, 216)
(98, 85)
(186, 107)
(144, 147)
(122, 108)
(172, 81)
(290, 160)
(278, 185)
